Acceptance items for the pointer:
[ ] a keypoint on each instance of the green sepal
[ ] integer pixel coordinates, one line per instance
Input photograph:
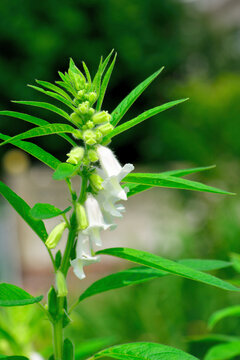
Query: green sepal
(52, 302)
(64, 170)
(68, 350)
(58, 259)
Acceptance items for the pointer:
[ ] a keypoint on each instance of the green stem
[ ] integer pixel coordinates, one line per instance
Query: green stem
(70, 243)
(82, 195)
(58, 339)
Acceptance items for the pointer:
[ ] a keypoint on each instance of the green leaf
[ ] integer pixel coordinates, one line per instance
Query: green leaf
(11, 295)
(171, 182)
(144, 351)
(137, 120)
(89, 347)
(64, 170)
(55, 88)
(23, 209)
(157, 262)
(53, 302)
(41, 131)
(35, 151)
(46, 106)
(223, 351)
(87, 72)
(54, 96)
(205, 265)
(106, 61)
(235, 258)
(136, 189)
(105, 84)
(47, 211)
(123, 107)
(138, 275)
(96, 84)
(35, 121)
(223, 313)
(68, 350)
(122, 279)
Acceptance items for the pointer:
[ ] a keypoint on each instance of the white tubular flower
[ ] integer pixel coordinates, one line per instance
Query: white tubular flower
(84, 256)
(95, 219)
(108, 203)
(113, 172)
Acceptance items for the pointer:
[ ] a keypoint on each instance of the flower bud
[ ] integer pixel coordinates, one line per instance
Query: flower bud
(61, 284)
(77, 134)
(55, 235)
(81, 217)
(75, 155)
(89, 137)
(98, 135)
(101, 117)
(92, 155)
(96, 182)
(77, 79)
(81, 94)
(106, 128)
(90, 124)
(92, 97)
(91, 111)
(76, 119)
(84, 107)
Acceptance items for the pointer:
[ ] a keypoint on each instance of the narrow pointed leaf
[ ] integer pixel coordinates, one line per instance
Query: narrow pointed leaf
(35, 151)
(55, 88)
(162, 180)
(33, 120)
(12, 295)
(23, 209)
(96, 84)
(105, 84)
(137, 120)
(50, 129)
(54, 96)
(136, 189)
(47, 211)
(123, 107)
(141, 274)
(223, 351)
(87, 73)
(157, 262)
(222, 314)
(144, 351)
(46, 106)
(121, 279)
(210, 338)
(15, 357)
(106, 61)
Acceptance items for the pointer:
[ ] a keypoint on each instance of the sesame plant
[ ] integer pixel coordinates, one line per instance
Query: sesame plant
(104, 186)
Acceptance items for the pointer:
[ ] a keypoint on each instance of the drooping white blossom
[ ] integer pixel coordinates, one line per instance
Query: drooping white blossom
(112, 172)
(95, 220)
(84, 256)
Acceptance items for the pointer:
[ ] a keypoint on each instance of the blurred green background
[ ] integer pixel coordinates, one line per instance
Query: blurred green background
(199, 45)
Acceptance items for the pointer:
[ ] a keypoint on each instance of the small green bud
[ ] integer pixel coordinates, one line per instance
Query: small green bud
(81, 217)
(52, 302)
(76, 102)
(92, 155)
(106, 128)
(76, 119)
(77, 134)
(61, 284)
(77, 79)
(91, 111)
(96, 182)
(92, 97)
(86, 86)
(98, 135)
(101, 117)
(90, 124)
(81, 94)
(84, 107)
(75, 155)
(55, 235)
(85, 161)
(89, 137)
